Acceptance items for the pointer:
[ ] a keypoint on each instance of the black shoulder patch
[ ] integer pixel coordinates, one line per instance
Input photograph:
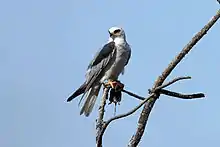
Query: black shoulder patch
(105, 51)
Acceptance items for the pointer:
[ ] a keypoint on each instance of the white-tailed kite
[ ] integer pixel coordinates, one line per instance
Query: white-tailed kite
(107, 64)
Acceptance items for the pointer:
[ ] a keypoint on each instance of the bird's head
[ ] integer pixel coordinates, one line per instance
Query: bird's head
(116, 32)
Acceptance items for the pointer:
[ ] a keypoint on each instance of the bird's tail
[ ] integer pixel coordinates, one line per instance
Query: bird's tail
(79, 91)
(90, 98)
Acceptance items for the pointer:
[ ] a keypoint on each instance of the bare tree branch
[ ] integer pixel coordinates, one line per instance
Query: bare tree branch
(158, 88)
(169, 83)
(148, 106)
(133, 95)
(182, 96)
(99, 121)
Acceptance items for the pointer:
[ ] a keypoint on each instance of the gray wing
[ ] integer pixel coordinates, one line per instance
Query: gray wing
(98, 64)
(95, 69)
(129, 56)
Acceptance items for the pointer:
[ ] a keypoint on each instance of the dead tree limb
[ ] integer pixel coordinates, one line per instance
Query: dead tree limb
(135, 139)
(158, 88)
(100, 121)
(169, 83)
(182, 96)
(133, 95)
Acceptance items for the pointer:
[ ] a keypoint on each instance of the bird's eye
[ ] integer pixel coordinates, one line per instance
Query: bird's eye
(117, 31)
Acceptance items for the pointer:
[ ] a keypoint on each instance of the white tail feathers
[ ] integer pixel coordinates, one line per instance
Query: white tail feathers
(90, 97)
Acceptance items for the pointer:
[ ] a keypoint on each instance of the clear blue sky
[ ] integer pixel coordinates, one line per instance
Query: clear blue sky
(46, 45)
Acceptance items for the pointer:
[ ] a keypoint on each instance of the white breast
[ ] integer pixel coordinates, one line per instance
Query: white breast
(122, 53)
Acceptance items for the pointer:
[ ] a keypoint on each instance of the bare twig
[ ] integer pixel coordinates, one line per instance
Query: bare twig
(182, 96)
(169, 83)
(158, 88)
(147, 109)
(133, 95)
(99, 121)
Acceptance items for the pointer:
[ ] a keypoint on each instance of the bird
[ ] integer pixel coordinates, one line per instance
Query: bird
(108, 63)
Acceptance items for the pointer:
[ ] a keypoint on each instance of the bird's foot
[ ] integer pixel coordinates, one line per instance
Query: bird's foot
(117, 85)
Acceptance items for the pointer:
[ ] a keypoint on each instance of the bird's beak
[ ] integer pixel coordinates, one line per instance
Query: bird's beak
(110, 34)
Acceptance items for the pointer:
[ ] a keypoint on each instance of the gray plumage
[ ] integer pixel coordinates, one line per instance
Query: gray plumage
(107, 64)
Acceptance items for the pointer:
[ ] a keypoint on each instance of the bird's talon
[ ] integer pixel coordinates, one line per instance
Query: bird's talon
(117, 85)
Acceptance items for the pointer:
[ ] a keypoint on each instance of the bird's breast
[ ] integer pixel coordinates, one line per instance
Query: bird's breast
(118, 64)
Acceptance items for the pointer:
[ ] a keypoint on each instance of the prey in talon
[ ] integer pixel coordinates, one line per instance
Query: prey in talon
(115, 92)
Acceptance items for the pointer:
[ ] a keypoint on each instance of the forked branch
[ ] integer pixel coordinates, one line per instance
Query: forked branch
(147, 108)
